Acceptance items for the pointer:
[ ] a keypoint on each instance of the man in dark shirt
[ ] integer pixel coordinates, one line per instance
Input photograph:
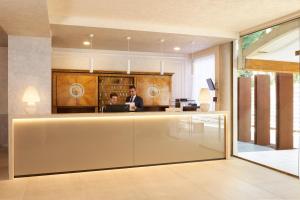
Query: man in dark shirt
(133, 98)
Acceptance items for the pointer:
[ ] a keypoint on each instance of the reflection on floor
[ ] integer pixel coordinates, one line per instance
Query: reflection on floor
(250, 147)
(283, 160)
(3, 163)
(223, 179)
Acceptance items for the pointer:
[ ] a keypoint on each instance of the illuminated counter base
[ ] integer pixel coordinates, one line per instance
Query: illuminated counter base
(65, 143)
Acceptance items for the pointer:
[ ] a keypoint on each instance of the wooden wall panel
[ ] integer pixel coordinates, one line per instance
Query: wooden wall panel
(271, 66)
(163, 83)
(155, 90)
(262, 109)
(142, 85)
(90, 97)
(63, 87)
(244, 109)
(63, 83)
(284, 120)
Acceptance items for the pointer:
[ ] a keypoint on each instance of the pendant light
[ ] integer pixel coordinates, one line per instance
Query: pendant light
(91, 58)
(128, 38)
(91, 64)
(162, 63)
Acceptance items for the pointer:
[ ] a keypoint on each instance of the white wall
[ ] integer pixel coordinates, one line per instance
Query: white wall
(3, 80)
(117, 61)
(3, 96)
(29, 64)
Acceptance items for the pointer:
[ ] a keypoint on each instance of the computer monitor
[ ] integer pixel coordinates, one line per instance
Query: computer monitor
(116, 108)
(210, 84)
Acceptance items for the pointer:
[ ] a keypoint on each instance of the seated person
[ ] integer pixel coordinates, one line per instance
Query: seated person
(133, 98)
(113, 98)
(113, 105)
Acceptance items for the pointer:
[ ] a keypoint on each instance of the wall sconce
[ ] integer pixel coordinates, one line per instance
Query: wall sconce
(204, 100)
(31, 97)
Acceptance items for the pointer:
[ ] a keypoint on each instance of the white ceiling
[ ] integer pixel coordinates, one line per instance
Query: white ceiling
(27, 17)
(220, 18)
(209, 22)
(115, 39)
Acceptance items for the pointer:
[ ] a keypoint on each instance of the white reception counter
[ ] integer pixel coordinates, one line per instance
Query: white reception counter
(80, 142)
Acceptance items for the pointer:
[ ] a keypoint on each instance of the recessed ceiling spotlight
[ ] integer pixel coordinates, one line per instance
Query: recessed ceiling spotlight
(86, 43)
(177, 48)
(128, 38)
(269, 30)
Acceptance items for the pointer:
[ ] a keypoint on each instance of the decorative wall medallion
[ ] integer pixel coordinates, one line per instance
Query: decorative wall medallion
(76, 90)
(153, 91)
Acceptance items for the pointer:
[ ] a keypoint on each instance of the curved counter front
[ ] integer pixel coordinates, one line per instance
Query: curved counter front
(72, 142)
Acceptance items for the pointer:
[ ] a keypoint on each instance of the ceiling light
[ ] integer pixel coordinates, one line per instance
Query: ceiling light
(177, 48)
(86, 43)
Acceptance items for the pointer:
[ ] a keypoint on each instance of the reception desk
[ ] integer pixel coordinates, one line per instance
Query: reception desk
(82, 142)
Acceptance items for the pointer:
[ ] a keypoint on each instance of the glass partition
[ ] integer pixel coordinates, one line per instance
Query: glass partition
(268, 97)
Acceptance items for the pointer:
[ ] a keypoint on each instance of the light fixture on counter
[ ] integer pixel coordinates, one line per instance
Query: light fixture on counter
(204, 100)
(91, 58)
(162, 63)
(128, 38)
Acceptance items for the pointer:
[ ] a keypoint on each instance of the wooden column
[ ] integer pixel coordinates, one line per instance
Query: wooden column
(284, 104)
(262, 109)
(244, 109)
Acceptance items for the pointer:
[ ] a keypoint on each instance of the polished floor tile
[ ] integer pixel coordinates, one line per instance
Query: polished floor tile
(283, 160)
(212, 180)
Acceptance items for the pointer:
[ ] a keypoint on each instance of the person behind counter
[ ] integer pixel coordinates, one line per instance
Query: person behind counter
(113, 98)
(113, 105)
(133, 98)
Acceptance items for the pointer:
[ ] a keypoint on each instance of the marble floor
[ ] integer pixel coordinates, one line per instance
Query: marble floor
(283, 160)
(222, 179)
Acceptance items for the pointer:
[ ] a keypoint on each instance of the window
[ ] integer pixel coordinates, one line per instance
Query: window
(203, 68)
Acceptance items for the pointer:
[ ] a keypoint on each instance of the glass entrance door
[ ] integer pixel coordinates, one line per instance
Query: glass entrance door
(268, 98)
